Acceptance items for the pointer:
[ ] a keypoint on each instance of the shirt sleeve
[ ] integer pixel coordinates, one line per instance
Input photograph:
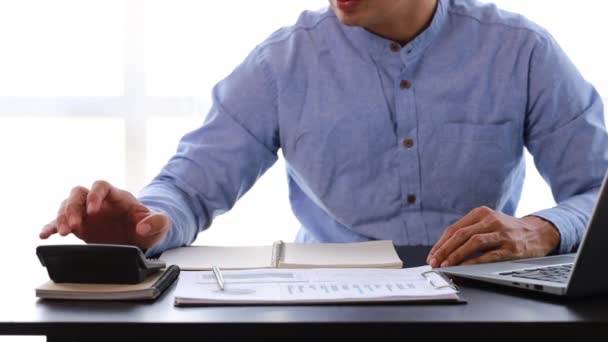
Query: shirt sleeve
(219, 162)
(566, 134)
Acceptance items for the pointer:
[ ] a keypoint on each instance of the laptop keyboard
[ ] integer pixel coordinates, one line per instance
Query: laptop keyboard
(558, 274)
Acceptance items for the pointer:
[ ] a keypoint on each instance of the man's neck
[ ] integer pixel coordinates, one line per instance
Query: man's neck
(408, 21)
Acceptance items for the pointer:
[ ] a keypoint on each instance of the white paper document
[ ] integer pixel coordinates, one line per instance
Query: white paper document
(283, 286)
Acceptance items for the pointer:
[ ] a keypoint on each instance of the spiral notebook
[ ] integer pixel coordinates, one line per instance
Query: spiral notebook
(371, 254)
(152, 287)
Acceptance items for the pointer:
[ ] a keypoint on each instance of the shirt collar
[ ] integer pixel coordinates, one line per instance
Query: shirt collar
(377, 45)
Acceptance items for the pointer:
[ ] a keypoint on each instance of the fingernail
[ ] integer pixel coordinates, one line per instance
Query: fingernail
(433, 262)
(90, 208)
(428, 258)
(445, 264)
(145, 228)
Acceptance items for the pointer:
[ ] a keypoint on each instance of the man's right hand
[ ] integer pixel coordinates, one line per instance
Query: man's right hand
(106, 214)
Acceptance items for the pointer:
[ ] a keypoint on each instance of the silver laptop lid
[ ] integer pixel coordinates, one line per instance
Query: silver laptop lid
(588, 274)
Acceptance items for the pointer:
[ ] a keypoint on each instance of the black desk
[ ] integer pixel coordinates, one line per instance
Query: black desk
(490, 314)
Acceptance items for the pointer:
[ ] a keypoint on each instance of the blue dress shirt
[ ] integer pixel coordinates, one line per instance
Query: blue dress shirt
(383, 141)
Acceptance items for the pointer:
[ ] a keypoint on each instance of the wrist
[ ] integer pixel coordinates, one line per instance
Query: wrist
(549, 236)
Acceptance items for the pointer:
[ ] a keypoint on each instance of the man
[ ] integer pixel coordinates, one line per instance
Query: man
(402, 120)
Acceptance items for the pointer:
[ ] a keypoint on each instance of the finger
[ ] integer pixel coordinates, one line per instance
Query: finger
(469, 219)
(477, 243)
(55, 222)
(75, 207)
(153, 224)
(492, 256)
(48, 230)
(62, 225)
(61, 209)
(458, 239)
(99, 191)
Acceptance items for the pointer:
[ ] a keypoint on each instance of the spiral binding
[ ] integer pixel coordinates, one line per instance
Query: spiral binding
(277, 253)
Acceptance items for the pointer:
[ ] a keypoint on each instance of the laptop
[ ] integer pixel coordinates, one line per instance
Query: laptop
(579, 274)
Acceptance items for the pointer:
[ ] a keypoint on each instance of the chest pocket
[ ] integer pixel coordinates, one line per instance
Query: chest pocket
(475, 164)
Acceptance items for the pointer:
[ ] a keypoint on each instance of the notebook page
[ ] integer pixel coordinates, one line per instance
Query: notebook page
(196, 258)
(343, 255)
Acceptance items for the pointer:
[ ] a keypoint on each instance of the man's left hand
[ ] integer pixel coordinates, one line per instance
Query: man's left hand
(498, 236)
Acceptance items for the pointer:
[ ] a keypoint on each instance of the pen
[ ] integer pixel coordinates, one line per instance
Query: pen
(218, 277)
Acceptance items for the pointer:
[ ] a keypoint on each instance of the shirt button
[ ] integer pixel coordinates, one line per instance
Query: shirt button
(395, 47)
(408, 143)
(405, 84)
(411, 199)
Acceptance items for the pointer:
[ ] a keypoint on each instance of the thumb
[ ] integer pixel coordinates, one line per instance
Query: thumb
(153, 225)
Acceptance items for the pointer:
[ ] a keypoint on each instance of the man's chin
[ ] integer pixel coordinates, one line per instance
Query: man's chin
(349, 20)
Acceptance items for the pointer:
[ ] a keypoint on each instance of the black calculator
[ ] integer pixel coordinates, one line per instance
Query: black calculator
(97, 263)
